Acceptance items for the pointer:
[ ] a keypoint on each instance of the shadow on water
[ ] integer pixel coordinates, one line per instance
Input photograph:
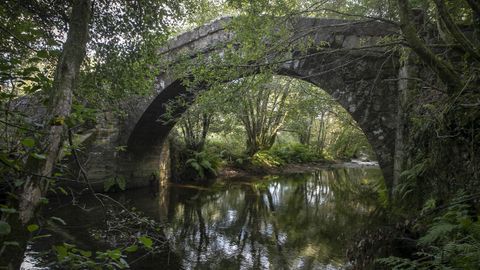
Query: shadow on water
(302, 221)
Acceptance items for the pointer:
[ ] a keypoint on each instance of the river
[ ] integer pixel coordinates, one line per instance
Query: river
(298, 221)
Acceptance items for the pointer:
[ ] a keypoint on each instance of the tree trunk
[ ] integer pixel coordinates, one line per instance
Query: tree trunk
(36, 185)
(443, 69)
(195, 129)
(455, 31)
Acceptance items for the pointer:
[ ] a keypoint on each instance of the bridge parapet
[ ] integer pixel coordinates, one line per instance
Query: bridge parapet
(331, 33)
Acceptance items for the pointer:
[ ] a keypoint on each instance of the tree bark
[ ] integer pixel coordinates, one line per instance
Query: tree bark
(443, 69)
(60, 101)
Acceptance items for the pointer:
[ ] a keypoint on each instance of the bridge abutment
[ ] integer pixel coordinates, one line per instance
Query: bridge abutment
(106, 157)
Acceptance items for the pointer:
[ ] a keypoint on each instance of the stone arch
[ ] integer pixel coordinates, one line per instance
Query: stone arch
(355, 71)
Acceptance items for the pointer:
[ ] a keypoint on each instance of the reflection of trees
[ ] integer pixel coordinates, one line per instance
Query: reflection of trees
(194, 228)
(254, 221)
(327, 211)
(193, 224)
(302, 222)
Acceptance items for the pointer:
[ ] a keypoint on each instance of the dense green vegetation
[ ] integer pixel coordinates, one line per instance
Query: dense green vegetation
(267, 121)
(64, 63)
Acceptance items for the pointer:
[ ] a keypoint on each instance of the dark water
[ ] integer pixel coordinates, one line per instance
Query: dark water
(303, 221)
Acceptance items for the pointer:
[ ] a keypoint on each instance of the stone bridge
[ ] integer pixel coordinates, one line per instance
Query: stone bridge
(347, 59)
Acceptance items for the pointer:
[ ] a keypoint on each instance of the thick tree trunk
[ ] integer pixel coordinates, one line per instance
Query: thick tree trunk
(59, 107)
(36, 185)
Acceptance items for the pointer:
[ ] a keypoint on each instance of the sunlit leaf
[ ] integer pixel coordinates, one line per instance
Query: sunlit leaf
(41, 236)
(63, 190)
(86, 253)
(32, 227)
(131, 248)
(28, 142)
(62, 251)
(59, 220)
(38, 156)
(114, 254)
(146, 241)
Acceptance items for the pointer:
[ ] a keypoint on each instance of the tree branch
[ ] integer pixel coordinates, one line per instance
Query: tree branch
(444, 15)
(443, 69)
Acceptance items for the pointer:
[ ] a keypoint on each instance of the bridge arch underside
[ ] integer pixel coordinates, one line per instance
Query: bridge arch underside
(364, 83)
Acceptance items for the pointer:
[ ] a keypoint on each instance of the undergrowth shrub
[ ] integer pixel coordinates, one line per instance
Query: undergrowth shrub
(283, 154)
(202, 165)
(226, 152)
(295, 153)
(451, 241)
(265, 158)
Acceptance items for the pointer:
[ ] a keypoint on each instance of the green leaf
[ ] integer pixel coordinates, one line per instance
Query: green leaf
(121, 183)
(30, 70)
(11, 243)
(32, 227)
(67, 245)
(6, 96)
(62, 252)
(86, 253)
(131, 248)
(28, 142)
(41, 236)
(146, 241)
(52, 42)
(63, 190)
(42, 54)
(8, 210)
(196, 166)
(38, 156)
(206, 164)
(18, 182)
(33, 88)
(124, 263)
(108, 184)
(5, 228)
(6, 160)
(114, 254)
(59, 220)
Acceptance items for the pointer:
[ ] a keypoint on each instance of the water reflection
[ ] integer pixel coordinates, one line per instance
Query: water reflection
(301, 221)
(296, 222)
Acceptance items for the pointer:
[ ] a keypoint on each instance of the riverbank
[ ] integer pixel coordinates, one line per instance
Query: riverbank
(251, 171)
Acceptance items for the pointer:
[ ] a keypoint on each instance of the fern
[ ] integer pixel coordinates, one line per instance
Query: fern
(436, 232)
(203, 164)
(398, 263)
(452, 241)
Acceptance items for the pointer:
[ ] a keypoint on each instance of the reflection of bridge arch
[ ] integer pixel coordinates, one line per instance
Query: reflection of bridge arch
(363, 81)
